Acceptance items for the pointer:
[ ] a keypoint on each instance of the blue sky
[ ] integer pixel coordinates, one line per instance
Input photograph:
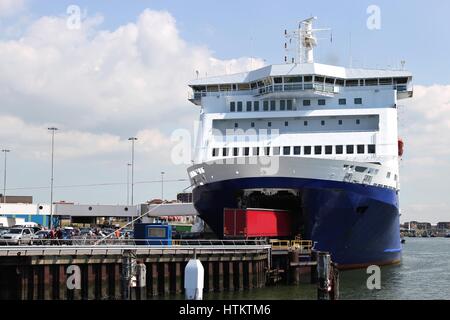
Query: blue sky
(415, 31)
(93, 84)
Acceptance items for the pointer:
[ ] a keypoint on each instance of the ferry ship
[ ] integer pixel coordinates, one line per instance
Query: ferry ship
(318, 140)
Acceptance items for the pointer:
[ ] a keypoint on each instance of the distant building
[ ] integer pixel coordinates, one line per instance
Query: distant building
(185, 197)
(443, 225)
(16, 199)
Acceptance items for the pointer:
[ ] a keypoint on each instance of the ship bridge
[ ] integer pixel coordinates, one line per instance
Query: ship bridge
(300, 80)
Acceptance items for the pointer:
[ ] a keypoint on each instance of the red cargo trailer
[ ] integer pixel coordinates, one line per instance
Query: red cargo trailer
(253, 223)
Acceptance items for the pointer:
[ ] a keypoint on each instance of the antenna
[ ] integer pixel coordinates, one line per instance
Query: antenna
(304, 40)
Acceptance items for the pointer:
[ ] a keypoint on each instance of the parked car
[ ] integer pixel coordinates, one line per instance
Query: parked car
(3, 230)
(18, 236)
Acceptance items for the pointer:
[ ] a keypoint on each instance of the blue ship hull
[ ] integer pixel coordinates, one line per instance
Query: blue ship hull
(357, 224)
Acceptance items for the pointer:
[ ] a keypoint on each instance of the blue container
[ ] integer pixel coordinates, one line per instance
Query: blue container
(153, 234)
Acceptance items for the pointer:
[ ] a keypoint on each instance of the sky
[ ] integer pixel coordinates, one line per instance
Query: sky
(122, 70)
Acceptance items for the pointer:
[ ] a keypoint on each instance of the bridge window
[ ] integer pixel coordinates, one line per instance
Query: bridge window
(256, 105)
(328, 149)
(350, 149)
(307, 150)
(256, 151)
(293, 79)
(267, 151)
(232, 106)
(239, 106)
(286, 151)
(297, 150)
(272, 105)
(385, 81)
(246, 151)
(225, 152)
(358, 100)
(339, 149)
(318, 150)
(235, 152)
(249, 106)
(371, 82)
(351, 83)
(342, 102)
(371, 149)
(266, 105)
(340, 82)
(276, 151)
(289, 104)
(306, 103)
(322, 102)
(278, 80)
(361, 148)
(282, 105)
(215, 152)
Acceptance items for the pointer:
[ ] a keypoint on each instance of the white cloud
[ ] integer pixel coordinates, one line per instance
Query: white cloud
(10, 7)
(425, 167)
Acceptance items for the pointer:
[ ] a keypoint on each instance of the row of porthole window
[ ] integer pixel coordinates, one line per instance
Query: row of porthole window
(305, 123)
(283, 105)
(295, 150)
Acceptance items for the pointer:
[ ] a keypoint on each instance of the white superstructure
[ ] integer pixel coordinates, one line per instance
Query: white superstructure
(323, 121)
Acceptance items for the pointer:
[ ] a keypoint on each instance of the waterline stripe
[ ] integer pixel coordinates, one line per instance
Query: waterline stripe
(393, 250)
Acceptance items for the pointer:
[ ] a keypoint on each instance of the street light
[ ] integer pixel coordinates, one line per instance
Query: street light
(162, 186)
(5, 151)
(132, 139)
(53, 130)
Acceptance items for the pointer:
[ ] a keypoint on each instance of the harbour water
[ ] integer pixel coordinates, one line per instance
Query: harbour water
(424, 273)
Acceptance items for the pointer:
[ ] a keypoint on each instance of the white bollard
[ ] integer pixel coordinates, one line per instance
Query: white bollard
(194, 280)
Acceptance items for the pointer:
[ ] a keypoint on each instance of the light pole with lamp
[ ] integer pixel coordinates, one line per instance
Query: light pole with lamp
(5, 151)
(162, 186)
(53, 130)
(132, 139)
(128, 183)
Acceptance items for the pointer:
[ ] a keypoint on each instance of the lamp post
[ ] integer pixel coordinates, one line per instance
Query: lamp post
(53, 130)
(162, 185)
(132, 139)
(5, 151)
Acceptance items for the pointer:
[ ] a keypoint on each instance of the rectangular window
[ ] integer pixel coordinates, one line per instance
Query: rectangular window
(249, 106)
(235, 152)
(342, 102)
(289, 104)
(340, 82)
(246, 151)
(350, 149)
(287, 151)
(266, 105)
(297, 150)
(352, 83)
(371, 149)
(340, 122)
(286, 123)
(266, 151)
(282, 105)
(358, 121)
(239, 106)
(256, 151)
(305, 123)
(306, 103)
(276, 151)
(322, 102)
(339, 149)
(388, 176)
(253, 124)
(269, 124)
(236, 125)
(328, 149)
(225, 152)
(358, 100)
(307, 150)
(361, 148)
(272, 105)
(256, 105)
(232, 106)
(318, 150)
(322, 122)
(215, 152)
(278, 80)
